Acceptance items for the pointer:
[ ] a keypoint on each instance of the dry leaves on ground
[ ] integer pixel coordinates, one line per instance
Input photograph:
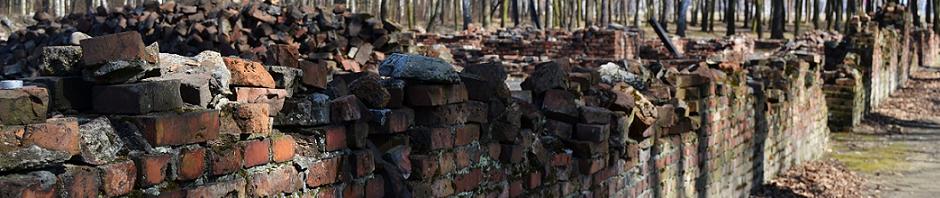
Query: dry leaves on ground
(826, 178)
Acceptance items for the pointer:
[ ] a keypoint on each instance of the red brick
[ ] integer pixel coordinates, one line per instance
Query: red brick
(515, 188)
(431, 138)
(286, 55)
(346, 108)
(534, 180)
(469, 181)
(494, 150)
(364, 162)
(591, 166)
(357, 133)
(248, 73)
(118, 178)
(120, 46)
(179, 128)
(247, 118)
(437, 116)
(192, 163)
(277, 180)
(257, 152)
(477, 112)
(152, 168)
(23, 106)
(230, 188)
(323, 172)
(391, 120)
(137, 98)
(375, 187)
(225, 159)
(466, 134)
(587, 149)
(560, 104)
(34, 184)
(462, 156)
(315, 74)
(592, 132)
(447, 162)
(455, 93)
(561, 159)
(558, 128)
(273, 97)
(335, 138)
(424, 166)
(442, 187)
(58, 134)
(329, 192)
(511, 153)
(595, 115)
(282, 148)
(425, 95)
(79, 181)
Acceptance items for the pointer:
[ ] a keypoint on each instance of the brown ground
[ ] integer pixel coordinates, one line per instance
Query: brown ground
(898, 145)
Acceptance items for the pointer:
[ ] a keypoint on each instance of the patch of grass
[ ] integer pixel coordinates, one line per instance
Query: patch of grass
(866, 154)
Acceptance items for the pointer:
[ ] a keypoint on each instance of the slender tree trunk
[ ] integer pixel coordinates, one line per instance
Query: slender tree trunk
(711, 12)
(914, 11)
(936, 17)
(467, 14)
(485, 14)
(534, 14)
(729, 17)
(777, 19)
(382, 10)
(680, 19)
(928, 15)
(504, 15)
(695, 7)
(636, 13)
(759, 18)
(839, 13)
(816, 14)
(799, 18)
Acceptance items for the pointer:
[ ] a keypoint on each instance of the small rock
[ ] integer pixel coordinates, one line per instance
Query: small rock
(310, 110)
(100, 143)
(30, 157)
(60, 60)
(117, 72)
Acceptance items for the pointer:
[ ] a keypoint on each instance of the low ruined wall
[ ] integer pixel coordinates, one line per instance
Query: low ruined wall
(434, 136)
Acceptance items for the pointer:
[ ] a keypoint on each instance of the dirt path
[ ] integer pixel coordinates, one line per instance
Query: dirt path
(898, 144)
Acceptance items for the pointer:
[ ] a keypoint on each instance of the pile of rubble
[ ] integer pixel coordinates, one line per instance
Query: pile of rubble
(262, 31)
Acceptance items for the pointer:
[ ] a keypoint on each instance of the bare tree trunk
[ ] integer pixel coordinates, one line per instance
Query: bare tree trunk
(636, 13)
(777, 24)
(515, 13)
(680, 19)
(799, 18)
(534, 14)
(936, 17)
(467, 14)
(729, 17)
(914, 12)
(816, 14)
(759, 18)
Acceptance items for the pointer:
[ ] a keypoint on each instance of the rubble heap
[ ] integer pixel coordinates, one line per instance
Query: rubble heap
(270, 33)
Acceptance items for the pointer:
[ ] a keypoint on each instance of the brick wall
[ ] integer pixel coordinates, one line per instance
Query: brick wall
(420, 128)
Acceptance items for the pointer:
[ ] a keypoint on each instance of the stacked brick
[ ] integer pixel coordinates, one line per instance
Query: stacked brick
(874, 59)
(271, 32)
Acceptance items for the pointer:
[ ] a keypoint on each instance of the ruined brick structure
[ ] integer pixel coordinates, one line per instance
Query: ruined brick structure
(111, 116)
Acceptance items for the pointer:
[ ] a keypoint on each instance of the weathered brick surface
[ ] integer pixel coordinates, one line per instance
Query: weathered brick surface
(23, 106)
(573, 131)
(179, 128)
(121, 46)
(137, 98)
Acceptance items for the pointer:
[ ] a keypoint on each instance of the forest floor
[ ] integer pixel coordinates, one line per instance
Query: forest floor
(894, 152)
(898, 145)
